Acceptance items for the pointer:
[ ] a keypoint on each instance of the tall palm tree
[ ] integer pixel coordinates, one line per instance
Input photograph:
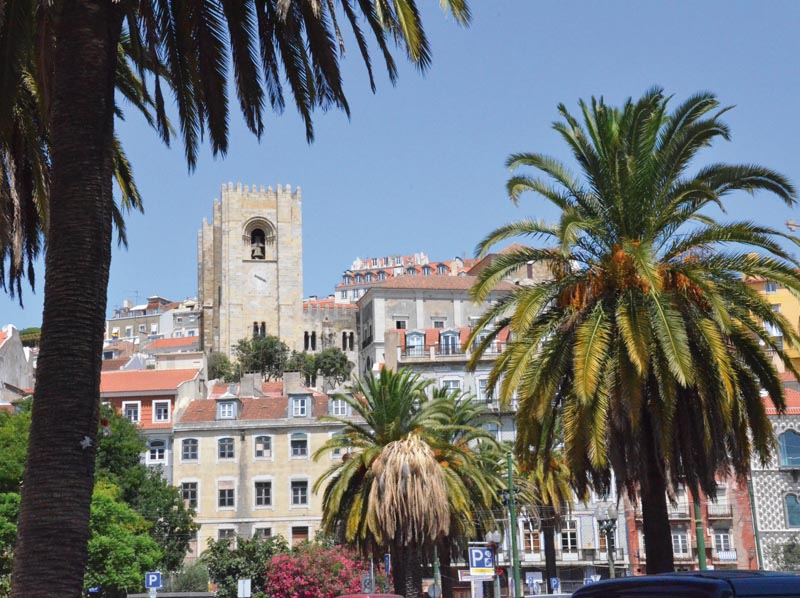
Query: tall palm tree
(396, 417)
(646, 342)
(264, 41)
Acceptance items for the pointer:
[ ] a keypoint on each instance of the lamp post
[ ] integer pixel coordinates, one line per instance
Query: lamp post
(606, 516)
(493, 541)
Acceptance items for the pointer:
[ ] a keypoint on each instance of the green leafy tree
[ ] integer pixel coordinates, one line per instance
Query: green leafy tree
(646, 341)
(305, 363)
(190, 578)
(229, 561)
(220, 367)
(264, 354)
(120, 549)
(13, 448)
(332, 364)
(9, 513)
(196, 50)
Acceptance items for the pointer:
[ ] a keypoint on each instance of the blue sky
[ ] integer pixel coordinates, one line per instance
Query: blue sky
(420, 166)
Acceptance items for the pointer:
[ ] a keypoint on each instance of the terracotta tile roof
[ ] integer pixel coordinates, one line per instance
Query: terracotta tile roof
(272, 406)
(792, 403)
(113, 365)
(273, 388)
(327, 303)
(786, 377)
(172, 343)
(6, 408)
(436, 282)
(144, 380)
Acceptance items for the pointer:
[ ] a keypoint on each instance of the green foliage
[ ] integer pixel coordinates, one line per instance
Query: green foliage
(144, 489)
(264, 354)
(220, 367)
(228, 564)
(332, 364)
(9, 512)
(306, 364)
(190, 578)
(120, 549)
(13, 448)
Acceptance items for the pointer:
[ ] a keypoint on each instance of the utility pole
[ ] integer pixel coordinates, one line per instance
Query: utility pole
(701, 537)
(512, 507)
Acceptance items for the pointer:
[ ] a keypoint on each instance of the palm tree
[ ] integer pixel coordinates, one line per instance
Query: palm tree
(195, 41)
(646, 342)
(398, 426)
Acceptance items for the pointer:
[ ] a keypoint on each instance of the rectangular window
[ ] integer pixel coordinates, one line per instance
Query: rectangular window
(569, 535)
(299, 407)
(602, 540)
(299, 493)
(179, 320)
(262, 533)
(160, 411)
(131, 412)
(400, 324)
(128, 331)
(770, 287)
(722, 540)
(158, 451)
(143, 328)
(189, 449)
(189, 494)
(263, 447)
(225, 448)
(226, 498)
(226, 534)
(226, 410)
(532, 541)
(680, 543)
(299, 535)
(263, 494)
(299, 445)
(438, 323)
(339, 407)
(483, 387)
(153, 328)
(451, 385)
(191, 318)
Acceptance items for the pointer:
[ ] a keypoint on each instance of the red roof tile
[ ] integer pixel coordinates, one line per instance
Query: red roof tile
(144, 380)
(786, 376)
(261, 408)
(113, 365)
(792, 403)
(171, 343)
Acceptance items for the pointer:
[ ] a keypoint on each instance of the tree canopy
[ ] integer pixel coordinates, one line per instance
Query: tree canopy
(645, 343)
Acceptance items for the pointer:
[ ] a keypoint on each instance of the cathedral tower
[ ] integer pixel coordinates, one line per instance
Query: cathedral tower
(250, 267)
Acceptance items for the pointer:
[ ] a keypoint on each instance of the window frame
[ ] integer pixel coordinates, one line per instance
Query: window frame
(220, 440)
(569, 532)
(232, 482)
(296, 436)
(184, 458)
(222, 407)
(271, 455)
(181, 488)
(784, 459)
(138, 404)
(292, 503)
(300, 406)
(163, 448)
(339, 407)
(682, 536)
(154, 409)
(271, 484)
(786, 510)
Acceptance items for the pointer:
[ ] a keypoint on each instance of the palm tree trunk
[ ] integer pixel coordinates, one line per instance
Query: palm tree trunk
(408, 576)
(446, 569)
(51, 552)
(549, 533)
(655, 517)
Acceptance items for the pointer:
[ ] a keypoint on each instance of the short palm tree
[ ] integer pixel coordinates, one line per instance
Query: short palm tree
(646, 341)
(369, 503)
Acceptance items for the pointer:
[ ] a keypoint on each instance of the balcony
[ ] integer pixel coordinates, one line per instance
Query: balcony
(719, 511)
(679, 511)
(724, 556)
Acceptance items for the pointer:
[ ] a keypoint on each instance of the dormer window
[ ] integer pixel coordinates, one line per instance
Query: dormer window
(381, 275)
(449, 343)
(415, 344)
(226, 410)
(441, 269)
(359, 278)
(300, 406)
(368, 277)
(411, 271)
(427, 270)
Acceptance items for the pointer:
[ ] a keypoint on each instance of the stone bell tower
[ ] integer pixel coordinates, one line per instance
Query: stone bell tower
(250, 267)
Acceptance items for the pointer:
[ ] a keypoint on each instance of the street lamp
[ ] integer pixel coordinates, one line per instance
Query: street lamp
(493, 540)
(606, 516)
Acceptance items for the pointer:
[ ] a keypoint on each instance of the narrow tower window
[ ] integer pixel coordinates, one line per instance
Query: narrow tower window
(257, 244)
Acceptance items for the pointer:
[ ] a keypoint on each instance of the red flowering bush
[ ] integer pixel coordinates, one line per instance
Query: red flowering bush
(314, 571)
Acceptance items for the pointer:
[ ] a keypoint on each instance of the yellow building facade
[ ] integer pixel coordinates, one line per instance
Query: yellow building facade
(244, 459)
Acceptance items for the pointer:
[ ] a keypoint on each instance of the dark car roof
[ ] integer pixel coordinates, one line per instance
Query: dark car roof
(697, 584)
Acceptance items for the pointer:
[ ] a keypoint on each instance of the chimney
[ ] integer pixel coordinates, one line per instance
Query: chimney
(249, 385)
(293, 383)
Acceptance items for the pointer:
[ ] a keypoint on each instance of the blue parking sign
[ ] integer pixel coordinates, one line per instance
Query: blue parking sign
(481, 561)
(152, 580)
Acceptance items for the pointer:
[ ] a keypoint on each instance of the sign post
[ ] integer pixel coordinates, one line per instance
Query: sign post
(152, 581)
(481, 565)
